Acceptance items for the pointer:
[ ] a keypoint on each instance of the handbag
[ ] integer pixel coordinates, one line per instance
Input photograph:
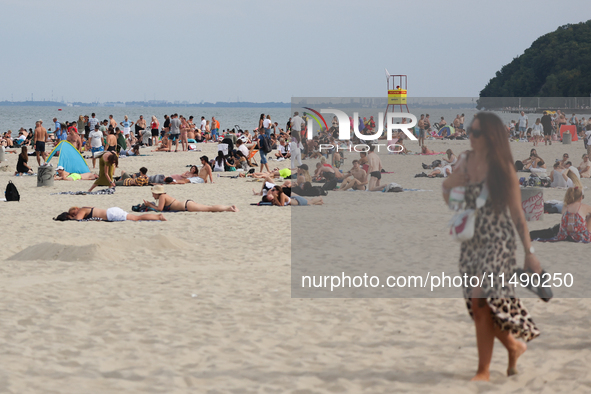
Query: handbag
(461, 225)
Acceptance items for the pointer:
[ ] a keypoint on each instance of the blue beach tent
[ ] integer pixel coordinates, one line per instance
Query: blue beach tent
(69, 158)
(446, 131)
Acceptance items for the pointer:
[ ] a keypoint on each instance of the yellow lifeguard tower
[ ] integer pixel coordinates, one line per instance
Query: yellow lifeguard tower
(397, 85)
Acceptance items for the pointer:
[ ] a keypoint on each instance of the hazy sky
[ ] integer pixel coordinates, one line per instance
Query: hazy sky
(263, 50)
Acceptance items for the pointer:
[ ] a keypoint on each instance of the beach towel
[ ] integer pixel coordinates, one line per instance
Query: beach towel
(110, 190)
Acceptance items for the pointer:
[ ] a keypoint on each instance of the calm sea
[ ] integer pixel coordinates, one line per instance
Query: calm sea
(13, 118)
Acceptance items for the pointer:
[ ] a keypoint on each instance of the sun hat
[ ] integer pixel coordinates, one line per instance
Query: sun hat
(158, 189)
(59, 168)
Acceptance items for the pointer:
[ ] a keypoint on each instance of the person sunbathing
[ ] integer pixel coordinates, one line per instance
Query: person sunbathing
(284, 173)
(140, 179)
(63, 175)
(427, 151)
(270, 184)
(355, 179)
(113, 214)
(163, 145)
(168, 203)
(280, 199)
(443, 170)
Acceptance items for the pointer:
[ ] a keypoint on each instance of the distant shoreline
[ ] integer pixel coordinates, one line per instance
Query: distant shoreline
(245, 104)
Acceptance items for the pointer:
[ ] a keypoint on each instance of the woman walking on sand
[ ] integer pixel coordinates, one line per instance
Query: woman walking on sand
(492, 188)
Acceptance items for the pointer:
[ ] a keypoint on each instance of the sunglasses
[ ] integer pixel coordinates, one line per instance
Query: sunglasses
(476, 132)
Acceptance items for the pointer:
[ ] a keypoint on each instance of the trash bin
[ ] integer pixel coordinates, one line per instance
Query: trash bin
(45, 175)
(567, 138)
(532, 202)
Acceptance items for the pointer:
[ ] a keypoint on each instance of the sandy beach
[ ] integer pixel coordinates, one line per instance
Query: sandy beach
(202, 302)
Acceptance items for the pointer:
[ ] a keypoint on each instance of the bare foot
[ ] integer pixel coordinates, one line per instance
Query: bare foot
(513, 356)
(481, 377)
(161, 216)
(255, 193)
(233, 208)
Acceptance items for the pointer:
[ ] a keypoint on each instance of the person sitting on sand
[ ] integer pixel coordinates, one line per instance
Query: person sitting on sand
(283, 150)
(22, 166)
(533, 154)
(449, 157)
(576, 217)
(113, 214)
(562, 162)
(168, 203)
(356, 178)
(133, 151)
(280, 199)
(63, 175)
(163, 145)
(535, 162)
(559, 177)
(585, 167)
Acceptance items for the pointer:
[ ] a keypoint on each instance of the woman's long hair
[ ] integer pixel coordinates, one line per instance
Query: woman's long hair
(306, 175)
(573, 194)
(499, 159)
(23, 154)
(575, 179)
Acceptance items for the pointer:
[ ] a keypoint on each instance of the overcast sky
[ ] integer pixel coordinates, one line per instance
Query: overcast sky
(263, 50)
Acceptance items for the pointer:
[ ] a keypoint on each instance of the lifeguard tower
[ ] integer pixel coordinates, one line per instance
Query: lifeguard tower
(397, 85)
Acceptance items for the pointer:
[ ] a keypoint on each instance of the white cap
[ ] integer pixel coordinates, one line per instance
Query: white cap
(60, 168)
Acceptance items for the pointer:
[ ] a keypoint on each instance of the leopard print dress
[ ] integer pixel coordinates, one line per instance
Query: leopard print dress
(492, 249)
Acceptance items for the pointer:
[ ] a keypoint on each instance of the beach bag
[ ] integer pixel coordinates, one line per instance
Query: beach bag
(11, 192)
(461, 226)
(265, 144)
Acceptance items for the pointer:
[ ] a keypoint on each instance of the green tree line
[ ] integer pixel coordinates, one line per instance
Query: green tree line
(557, 64)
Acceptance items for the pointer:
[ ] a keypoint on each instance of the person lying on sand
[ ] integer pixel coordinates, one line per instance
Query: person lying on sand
(443, 170)
(327, 172)
(270, 184)
(168, 203)
(284, 173)
(112, 214)
(426, 151)
(140, 179)
(194, 175)
(280, 199)
(63, 175)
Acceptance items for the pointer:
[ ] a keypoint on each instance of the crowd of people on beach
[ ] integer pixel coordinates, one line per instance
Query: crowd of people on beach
(486, 173)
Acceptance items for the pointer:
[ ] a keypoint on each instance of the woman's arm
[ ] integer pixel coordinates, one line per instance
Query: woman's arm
(517, 215)
(457, 178)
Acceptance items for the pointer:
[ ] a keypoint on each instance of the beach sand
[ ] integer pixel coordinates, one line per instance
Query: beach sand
(202, 302)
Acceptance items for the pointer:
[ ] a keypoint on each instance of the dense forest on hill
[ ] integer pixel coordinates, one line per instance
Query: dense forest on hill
(558, 64)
